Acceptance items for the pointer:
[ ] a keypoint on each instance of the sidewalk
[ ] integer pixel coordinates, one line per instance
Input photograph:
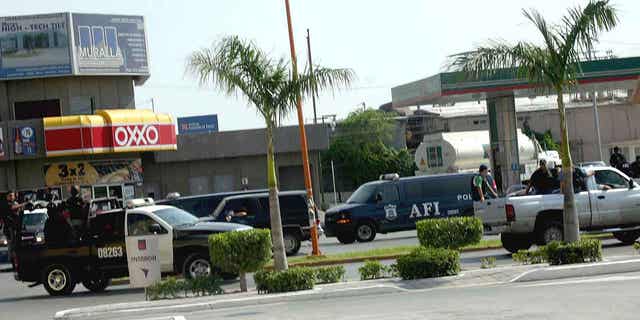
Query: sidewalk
(352, 288)
(471, 278)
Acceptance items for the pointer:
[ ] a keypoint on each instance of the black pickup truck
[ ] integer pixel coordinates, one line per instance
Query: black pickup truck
(100, 254)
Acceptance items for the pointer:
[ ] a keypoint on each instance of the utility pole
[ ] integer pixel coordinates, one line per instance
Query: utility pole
(303, 141)
(596, 117)
(313, 88)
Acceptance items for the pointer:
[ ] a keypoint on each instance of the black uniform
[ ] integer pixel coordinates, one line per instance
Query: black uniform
(542, 181)
(617, 160)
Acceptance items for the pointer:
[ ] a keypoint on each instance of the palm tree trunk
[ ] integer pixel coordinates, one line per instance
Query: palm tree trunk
(279, 255)
(243, 281)
(570, 215)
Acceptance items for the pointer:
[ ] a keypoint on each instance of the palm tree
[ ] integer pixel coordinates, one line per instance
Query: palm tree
(551, 67)
(239, 67)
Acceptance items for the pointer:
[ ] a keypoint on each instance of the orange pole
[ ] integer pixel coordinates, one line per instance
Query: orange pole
(303, 138)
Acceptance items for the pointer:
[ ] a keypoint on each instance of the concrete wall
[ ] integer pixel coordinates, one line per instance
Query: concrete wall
(107, 92)
(216, 162)
(617, 126)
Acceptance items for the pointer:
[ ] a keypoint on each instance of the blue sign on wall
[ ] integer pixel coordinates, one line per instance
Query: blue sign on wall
(25, 141)
(110, 44)
(198, 124)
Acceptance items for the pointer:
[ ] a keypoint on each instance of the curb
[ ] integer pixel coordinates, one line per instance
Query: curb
(147, 309)
(581, 270)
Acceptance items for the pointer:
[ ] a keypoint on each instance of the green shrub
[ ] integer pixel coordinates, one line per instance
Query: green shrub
(331, 274)
(556, 253)
(428, 263)
(584, 250)
(636, 245)
(239, 252)
(172, 288)
(449, 233)
(530, 256)
(488, 262)
(372, 269)
(293, 279)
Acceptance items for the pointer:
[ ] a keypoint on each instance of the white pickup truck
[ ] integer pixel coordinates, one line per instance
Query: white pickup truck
(609, 201)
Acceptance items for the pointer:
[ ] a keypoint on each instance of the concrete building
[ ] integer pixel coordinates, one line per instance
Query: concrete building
(234, 160)
(617, 122)
(67, 107)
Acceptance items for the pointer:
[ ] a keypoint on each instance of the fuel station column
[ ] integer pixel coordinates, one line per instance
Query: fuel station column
(504, 140)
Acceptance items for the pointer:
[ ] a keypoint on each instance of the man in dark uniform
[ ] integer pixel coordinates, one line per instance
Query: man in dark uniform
(10, 213)
(617, 159)
(78, 209)
(541, 180)
(635, 168)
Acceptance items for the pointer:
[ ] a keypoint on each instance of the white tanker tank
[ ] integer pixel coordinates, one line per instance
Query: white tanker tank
(465, 151)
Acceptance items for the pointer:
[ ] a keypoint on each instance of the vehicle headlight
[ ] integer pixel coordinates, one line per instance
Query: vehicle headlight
(40, 237)
(5, 242)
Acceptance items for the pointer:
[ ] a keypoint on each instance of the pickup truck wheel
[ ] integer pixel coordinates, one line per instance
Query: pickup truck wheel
(291, 243)
(196, 265)
(550, 231)
(346, 238)
(515, 242)
(365, 232)
(627, 237)
(57, 280)
(97, 285)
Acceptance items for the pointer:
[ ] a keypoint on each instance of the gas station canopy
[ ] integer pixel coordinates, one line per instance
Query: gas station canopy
(448, 87)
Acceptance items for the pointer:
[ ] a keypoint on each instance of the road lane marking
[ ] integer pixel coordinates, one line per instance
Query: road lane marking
(580, 281)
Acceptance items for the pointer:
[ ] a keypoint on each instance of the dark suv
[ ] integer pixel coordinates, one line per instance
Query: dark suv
(204, 204)
(253, 210)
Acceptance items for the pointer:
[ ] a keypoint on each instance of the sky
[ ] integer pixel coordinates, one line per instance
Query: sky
(386, 43)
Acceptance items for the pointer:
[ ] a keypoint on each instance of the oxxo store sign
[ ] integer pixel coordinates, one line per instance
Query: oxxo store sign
(121, 130)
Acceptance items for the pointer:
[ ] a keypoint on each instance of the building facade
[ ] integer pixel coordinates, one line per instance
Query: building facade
(67, 105)
(616, 113)
(234, 160)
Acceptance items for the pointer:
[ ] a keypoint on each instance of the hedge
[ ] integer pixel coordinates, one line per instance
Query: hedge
(449, 233)
(372, 269)
(330, 274)
(585, 250)
(293, 279)
(426, 262)
(171, 288)
(557, 253)
(240, 251)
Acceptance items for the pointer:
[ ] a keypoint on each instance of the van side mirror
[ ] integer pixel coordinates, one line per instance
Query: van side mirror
(378, 197)
(631, 184)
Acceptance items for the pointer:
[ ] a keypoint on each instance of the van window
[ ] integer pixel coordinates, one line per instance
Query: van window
(292, 204)
(389, 193)
(364, 194)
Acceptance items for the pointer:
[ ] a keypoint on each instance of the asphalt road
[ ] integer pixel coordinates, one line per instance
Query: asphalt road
(18, 301)
(611, 297)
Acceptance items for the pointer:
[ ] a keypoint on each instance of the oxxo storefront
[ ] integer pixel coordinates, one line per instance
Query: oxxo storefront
(101, 153)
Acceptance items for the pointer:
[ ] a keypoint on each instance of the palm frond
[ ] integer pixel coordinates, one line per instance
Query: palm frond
(528, 61)
(233, 66)
(324, 78)
(548, 33)
(581, 28)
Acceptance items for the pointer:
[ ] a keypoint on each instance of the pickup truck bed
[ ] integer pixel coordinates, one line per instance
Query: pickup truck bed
(610, 202)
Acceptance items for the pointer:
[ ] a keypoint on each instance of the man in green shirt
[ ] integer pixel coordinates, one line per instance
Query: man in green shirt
(480, 185)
